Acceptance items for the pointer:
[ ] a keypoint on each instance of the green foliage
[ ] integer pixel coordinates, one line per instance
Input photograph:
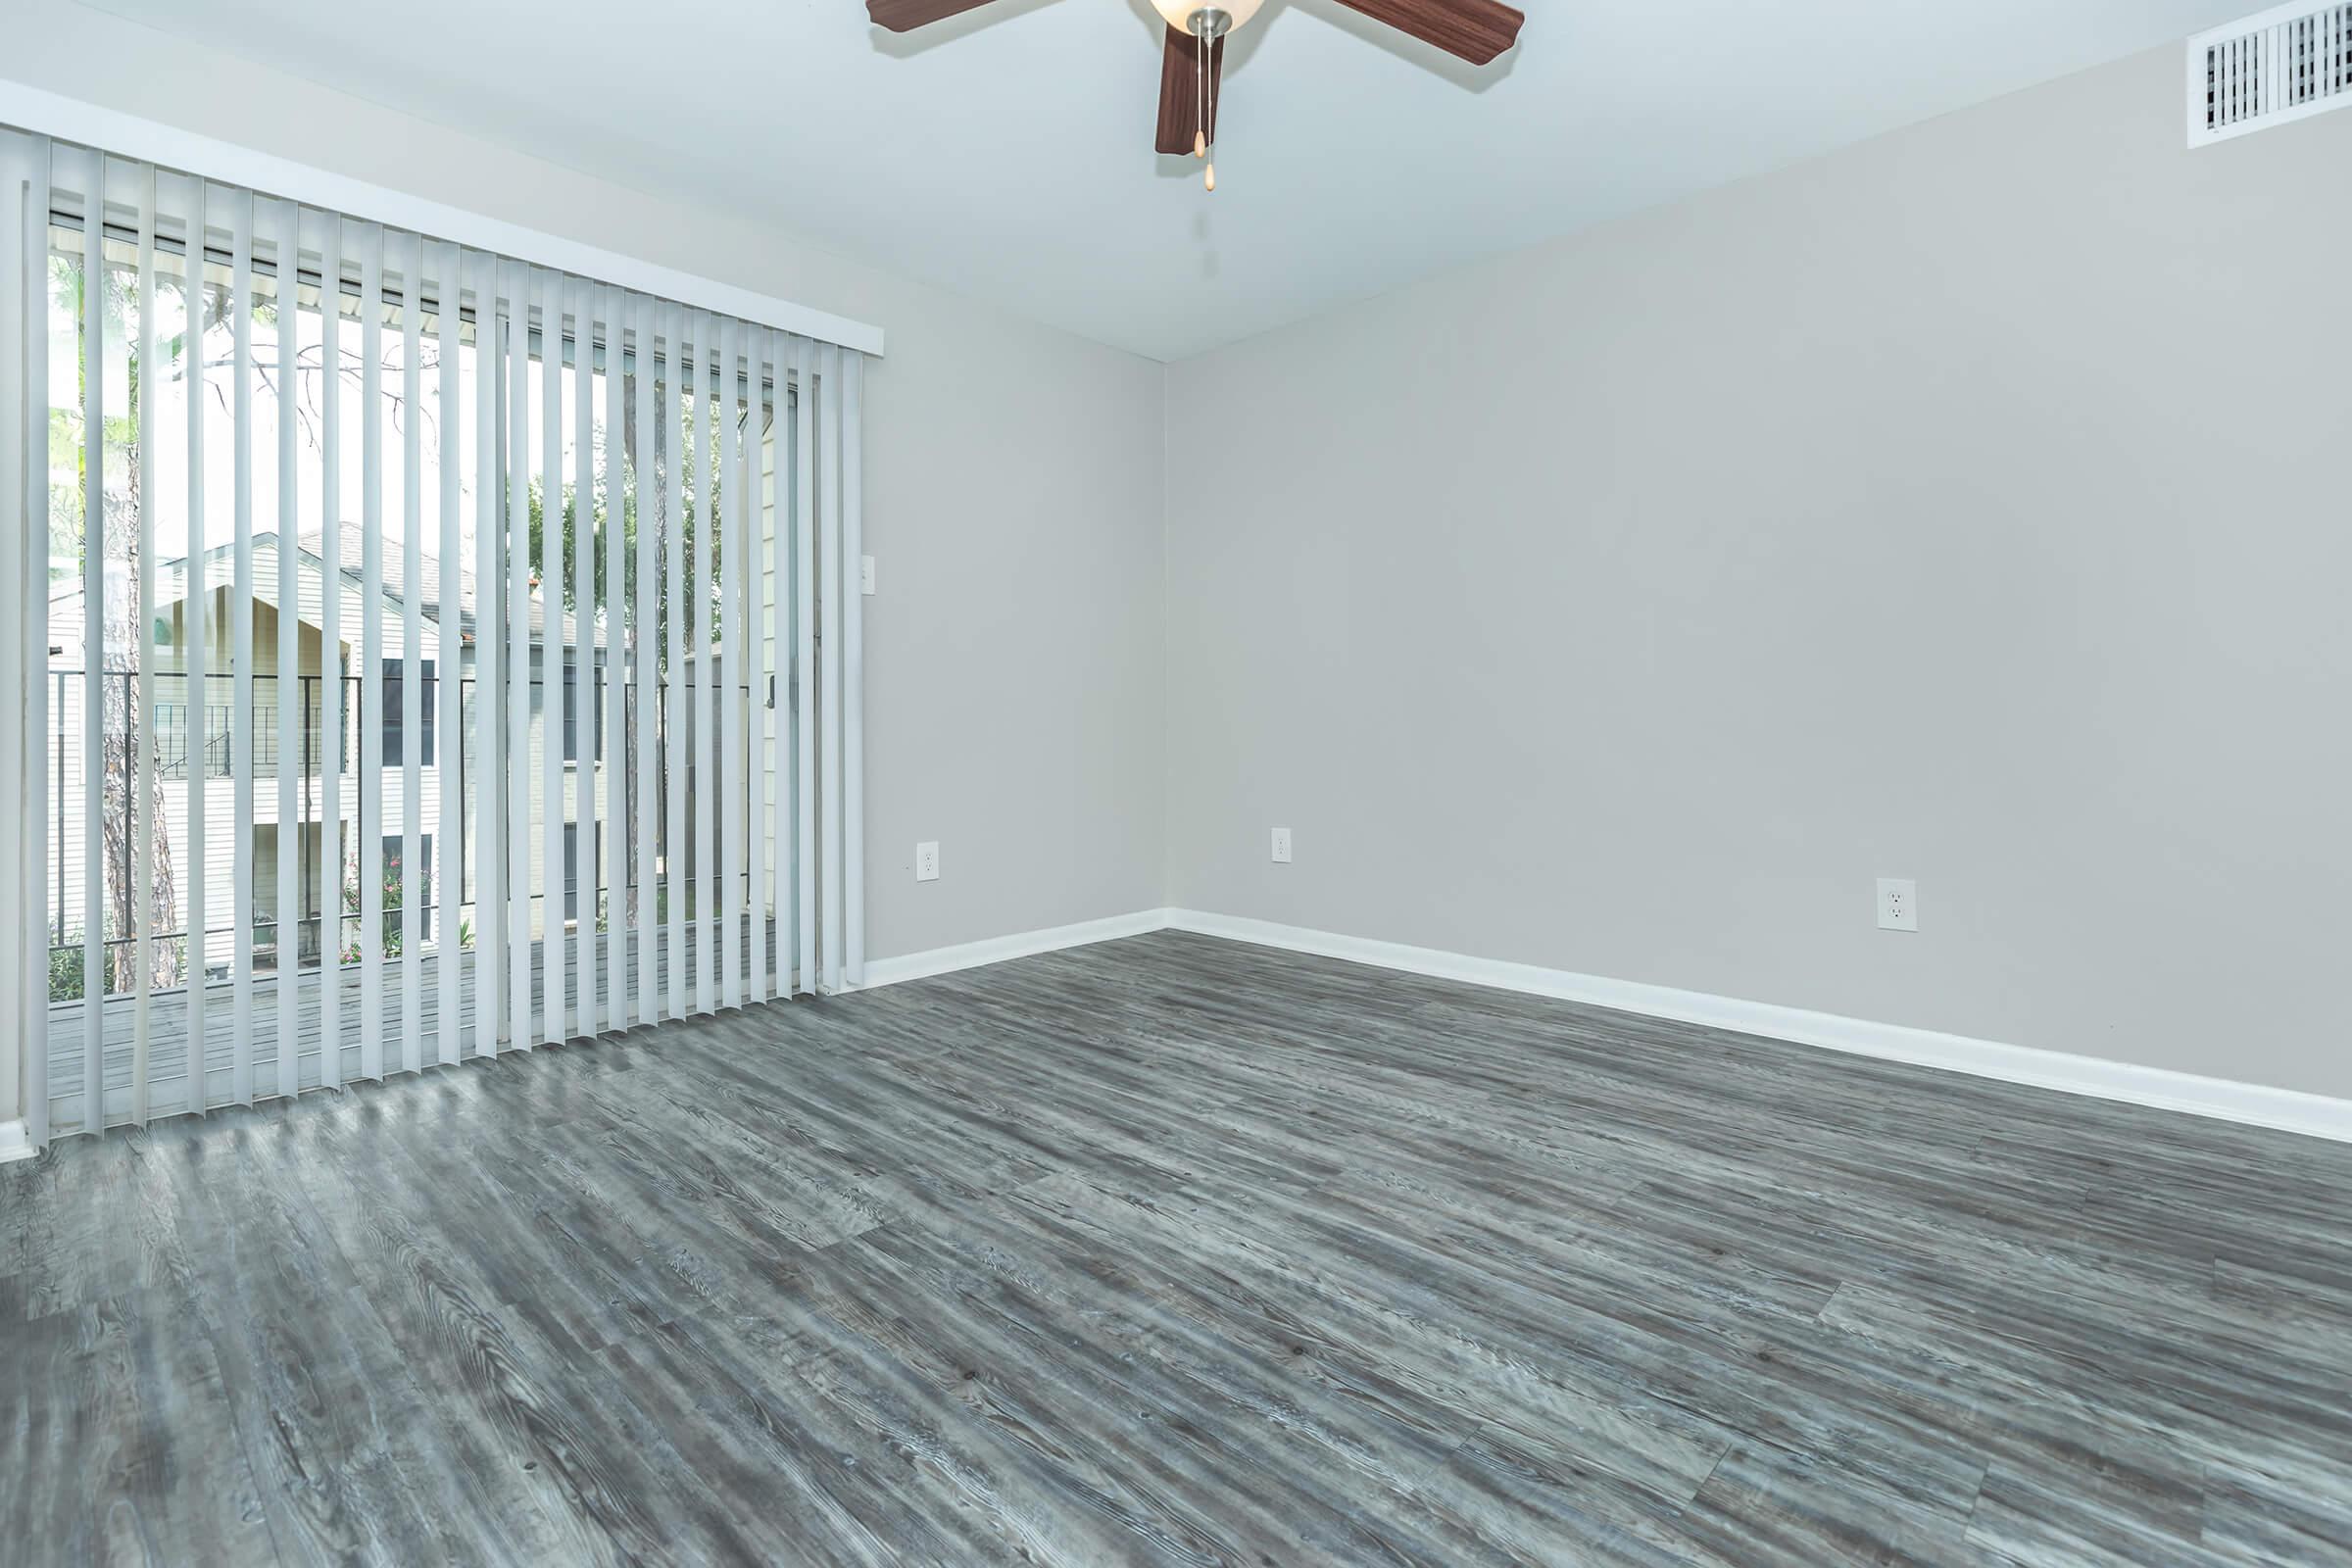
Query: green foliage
(693, 505)
(65, 969)
(69, 427)
(392, 906)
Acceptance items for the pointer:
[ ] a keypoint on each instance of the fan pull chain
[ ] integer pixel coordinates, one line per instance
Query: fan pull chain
(1209, 128)
(1199, 94)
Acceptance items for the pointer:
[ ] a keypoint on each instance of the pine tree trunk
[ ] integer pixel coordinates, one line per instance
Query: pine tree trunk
(125, 635)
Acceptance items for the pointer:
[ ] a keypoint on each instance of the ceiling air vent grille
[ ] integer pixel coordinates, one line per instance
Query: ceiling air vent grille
(2282, 64)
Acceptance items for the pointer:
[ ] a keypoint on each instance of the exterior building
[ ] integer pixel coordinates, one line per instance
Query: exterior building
(327, 878)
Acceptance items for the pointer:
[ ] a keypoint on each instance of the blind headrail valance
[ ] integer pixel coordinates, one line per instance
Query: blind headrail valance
(129, 136)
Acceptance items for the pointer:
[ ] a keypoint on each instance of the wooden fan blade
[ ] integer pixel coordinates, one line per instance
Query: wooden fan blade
(905, 15)
(1179, 89)
(1476, 30)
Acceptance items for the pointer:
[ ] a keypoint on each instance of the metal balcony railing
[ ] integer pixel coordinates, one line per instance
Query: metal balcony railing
(175, 736)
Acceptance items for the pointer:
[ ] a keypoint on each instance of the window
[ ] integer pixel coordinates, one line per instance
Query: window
(572, 718)
(395, 674)
(571, 872)
(401, 883)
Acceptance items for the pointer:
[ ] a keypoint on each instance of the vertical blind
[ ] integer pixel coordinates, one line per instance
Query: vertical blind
(418, 652)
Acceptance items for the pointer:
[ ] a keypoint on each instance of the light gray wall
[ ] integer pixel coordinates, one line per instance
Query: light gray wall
(1966, 506)
(1014, 683)
(1970, 505)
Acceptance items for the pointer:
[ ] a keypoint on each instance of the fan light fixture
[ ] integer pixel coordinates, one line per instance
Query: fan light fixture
(1185, 18)
(1194, 45)
(1206, 26)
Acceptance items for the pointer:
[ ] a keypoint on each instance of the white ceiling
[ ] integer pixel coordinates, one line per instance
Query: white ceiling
(1007, 154)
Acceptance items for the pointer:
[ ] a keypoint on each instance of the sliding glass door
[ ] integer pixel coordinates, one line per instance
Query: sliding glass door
(428, 654)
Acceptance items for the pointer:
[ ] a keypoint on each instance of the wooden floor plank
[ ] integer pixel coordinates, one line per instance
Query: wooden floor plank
(1172, 1249)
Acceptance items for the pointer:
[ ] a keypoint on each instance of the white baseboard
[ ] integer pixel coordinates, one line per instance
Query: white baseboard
(1020, 945)
(15, 1143)
(2257, 1104)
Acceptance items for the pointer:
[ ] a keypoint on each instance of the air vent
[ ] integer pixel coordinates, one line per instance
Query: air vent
(2282, 64)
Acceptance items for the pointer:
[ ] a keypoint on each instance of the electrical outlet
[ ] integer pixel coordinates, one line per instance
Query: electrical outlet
(927, 861)
(1281, 845)
(866, 575)
(1898, 903)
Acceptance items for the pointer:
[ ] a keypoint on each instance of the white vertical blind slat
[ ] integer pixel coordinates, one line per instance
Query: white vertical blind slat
(198, 629)
(93, 650)
(517, 543)
(17, 221)
(412, 877)
(13, 973)
(744, 694)
(486, 762)
(370, 714)
(676, 404)
(830, 579)
(331, 686)
(142, 783)
(449, 842)
(240, 658)
(33, 301)
(198, 918)
(788, 665)
(729, 668)
(767, 424)
(803, 700)
(287, 251)
(853, 670)
(703, 798)
(584, 706)
(644, 644)
(551, 641)
(609, 682)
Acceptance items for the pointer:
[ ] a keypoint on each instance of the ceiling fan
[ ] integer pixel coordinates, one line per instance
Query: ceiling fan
(1193, 55)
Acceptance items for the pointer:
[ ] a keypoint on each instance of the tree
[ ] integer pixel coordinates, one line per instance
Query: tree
(678, 460)
(391, 902)
(122, 628)
(117, 537)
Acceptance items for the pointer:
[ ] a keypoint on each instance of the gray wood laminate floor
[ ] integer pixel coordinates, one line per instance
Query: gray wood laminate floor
(1178, 1251)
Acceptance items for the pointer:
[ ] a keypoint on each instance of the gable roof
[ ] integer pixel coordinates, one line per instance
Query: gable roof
(352, 540)
(218, 566)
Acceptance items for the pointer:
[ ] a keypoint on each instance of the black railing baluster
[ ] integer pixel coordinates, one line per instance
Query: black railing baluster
(318, 918)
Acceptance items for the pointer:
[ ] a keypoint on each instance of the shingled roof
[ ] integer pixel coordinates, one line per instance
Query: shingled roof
(219, 572)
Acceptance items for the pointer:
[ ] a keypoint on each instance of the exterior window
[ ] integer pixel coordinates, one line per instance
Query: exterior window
(395, 731)
(571, 719)
(399, 880)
